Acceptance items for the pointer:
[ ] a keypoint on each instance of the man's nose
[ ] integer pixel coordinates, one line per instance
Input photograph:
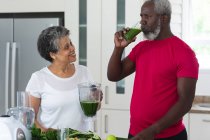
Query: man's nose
(142, 22)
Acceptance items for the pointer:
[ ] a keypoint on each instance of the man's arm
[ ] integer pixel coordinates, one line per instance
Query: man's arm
(117, 68)
(186, 91)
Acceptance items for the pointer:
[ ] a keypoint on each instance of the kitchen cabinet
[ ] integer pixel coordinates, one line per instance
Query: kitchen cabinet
(116, 94)
(98, 21)
(115, 122)
(186, 122)
(199, 126)
(96, 42)
(115, 117)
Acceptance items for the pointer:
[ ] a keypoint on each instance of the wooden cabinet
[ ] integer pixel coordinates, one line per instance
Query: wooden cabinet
(199, 126)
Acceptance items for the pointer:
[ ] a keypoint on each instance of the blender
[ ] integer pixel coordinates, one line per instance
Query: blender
(89, 97)
(18, 121)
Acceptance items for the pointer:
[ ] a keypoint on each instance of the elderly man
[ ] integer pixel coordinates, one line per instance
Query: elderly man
(166, 72)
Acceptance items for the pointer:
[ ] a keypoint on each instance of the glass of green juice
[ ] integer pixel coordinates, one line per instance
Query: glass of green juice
(89, 97)
(132, 32)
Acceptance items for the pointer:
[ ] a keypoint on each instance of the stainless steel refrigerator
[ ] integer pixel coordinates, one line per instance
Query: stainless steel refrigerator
(19, 57)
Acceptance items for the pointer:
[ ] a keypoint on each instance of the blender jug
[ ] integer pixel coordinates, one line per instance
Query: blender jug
(23, 112)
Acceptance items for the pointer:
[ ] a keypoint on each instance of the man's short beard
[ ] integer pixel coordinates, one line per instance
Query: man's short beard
(153, 35)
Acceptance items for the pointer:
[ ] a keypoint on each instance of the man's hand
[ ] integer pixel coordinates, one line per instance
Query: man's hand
(119, 39)
(146, 134)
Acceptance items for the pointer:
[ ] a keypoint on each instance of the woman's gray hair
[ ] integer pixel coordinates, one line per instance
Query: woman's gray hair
(48, 41)
(162, 7)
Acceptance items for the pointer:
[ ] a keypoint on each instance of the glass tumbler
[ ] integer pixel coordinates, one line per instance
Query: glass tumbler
(133, 31)
(26, 113)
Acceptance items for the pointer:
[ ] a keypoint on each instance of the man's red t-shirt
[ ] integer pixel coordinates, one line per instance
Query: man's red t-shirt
(159, 63)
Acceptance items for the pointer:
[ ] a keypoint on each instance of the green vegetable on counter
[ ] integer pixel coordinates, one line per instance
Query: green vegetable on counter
(71, 134)
(37, 134)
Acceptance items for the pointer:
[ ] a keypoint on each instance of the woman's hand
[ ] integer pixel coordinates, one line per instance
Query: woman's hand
(101, 98)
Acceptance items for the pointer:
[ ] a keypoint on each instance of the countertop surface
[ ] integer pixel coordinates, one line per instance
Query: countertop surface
(201, 104)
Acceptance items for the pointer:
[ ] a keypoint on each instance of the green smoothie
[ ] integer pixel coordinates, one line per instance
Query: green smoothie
(89, 108)
(131, 34)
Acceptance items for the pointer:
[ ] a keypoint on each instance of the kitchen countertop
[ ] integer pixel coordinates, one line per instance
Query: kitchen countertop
(198, 102)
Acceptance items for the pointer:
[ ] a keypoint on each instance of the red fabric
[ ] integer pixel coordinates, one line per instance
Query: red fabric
(158, 65)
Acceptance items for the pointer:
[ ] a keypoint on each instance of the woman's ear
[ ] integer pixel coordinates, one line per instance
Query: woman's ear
(52, 55)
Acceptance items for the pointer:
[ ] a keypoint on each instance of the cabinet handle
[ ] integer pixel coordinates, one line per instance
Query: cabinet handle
(13, 70)
(7, 61)
(205, 120)
(106, 94)
(106, 124)
(95, 126)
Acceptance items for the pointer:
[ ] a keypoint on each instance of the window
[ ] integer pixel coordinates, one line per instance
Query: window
(197, 33)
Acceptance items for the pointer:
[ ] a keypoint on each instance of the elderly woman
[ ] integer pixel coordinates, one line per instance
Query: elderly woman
(53, 89)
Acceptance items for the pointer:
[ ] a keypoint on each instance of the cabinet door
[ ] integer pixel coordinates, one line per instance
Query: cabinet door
(123, 13)
(94, 38)
(88, 41)
(115, 122)
(186, 122)
(199, 126)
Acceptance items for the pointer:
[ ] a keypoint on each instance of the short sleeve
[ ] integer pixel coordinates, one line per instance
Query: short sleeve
(136, 51)
(188, 65)
(132, 55)
(34, 86)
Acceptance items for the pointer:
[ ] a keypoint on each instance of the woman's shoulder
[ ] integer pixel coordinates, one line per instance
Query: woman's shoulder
(40, 73)
(81, 67)
(83, 71)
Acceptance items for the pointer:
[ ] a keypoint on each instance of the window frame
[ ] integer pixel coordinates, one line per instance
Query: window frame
(202, 87)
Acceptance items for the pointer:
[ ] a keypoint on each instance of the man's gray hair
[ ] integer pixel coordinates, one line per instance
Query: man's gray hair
(162, 7)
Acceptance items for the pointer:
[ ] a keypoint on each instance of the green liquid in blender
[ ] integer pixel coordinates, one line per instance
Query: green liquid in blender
(131, 34)
(89, 108)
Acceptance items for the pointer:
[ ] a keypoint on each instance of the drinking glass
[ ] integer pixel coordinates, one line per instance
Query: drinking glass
(133, 31)
(23, 99)
(26, 114)
(89, 96)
